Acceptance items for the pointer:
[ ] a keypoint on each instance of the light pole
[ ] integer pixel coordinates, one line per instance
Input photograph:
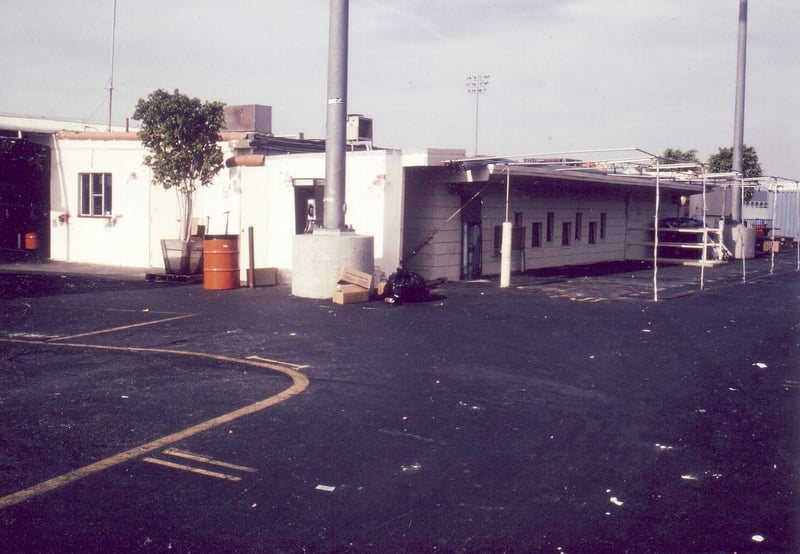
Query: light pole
(477, 85)
(738, 125)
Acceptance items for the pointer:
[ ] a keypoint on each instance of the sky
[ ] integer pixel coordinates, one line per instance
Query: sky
(564, 75)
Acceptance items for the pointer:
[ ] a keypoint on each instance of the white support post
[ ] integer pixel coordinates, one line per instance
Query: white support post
(704, 255)
(505, 255)
(655, 227)
(772, 231)
(505, 243)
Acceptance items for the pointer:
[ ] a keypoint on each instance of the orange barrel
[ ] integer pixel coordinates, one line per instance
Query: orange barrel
(31, 241)
(221, 262)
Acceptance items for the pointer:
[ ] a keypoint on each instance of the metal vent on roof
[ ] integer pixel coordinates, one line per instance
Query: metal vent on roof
(359, 128)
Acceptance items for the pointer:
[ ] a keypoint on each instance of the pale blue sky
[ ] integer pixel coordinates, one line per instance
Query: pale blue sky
(565, 74)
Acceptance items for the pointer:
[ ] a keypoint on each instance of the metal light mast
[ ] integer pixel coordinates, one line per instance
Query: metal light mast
(738, 125)
(335, 138)
(477, 85)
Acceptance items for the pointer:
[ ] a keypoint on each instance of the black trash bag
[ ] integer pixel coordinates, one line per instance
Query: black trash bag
(405, 286)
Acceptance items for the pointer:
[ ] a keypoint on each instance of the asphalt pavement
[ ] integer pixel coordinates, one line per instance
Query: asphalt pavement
(567, 413)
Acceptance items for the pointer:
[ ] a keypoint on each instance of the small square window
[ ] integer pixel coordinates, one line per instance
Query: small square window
(94, 191)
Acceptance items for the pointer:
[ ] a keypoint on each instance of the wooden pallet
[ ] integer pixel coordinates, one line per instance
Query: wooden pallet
(173, 278)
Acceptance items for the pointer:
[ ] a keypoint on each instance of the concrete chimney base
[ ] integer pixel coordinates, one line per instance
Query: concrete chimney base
(319, 258)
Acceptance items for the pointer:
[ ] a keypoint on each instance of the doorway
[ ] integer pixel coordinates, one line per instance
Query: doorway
(471, 247)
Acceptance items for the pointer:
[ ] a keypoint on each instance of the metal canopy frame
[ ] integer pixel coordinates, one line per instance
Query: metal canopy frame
(636, 167)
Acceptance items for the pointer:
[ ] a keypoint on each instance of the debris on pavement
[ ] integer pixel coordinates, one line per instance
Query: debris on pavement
(405, 286)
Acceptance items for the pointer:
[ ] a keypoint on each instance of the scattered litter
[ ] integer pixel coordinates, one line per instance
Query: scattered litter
(758, 538)
(664, 447)
(473, 407)
(701, 410)
(124, 396)
(325, 488)
(292, 334)
(733, 389)
(591, 357)
(253, 505)
(646, 331)
(760, 365)
(615, 501)
(145, 310)
(688, 477)
(413, 468)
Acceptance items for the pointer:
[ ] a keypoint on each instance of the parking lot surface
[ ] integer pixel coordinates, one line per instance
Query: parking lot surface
(567, 413)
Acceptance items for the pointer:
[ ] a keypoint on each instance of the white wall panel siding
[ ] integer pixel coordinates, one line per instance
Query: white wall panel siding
(427, 208)
(787, 214)
(628, 216)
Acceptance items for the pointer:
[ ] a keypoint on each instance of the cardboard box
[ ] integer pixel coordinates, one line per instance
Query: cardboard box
(353, 286)
(772, 246)
(265, 276)
(355, 277)
(350, 294)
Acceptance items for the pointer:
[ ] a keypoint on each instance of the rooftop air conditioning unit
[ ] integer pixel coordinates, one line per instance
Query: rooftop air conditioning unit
(359, 128)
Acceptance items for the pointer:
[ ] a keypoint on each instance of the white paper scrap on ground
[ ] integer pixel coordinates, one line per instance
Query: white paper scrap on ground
(325, 488)
(758, 538)
(615, 501)
(760, 365)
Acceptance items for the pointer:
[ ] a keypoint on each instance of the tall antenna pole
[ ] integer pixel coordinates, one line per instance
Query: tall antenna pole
(477, 85)
(113, 46)
(738, 124)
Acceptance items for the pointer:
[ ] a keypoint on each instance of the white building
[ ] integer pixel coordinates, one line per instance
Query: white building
(431, 209)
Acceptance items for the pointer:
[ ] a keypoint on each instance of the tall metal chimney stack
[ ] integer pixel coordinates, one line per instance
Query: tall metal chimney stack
(738, 124)
(335, 140)
(319, 258)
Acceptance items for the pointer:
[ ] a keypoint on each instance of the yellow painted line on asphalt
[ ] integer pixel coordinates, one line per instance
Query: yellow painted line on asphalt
(299, 384)
(190, 469)
(206, 460)
(285, 364)
(122, 328)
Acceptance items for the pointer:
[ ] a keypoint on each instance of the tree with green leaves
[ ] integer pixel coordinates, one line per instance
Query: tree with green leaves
(674, 155)
(181, 134)
(722, 162)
